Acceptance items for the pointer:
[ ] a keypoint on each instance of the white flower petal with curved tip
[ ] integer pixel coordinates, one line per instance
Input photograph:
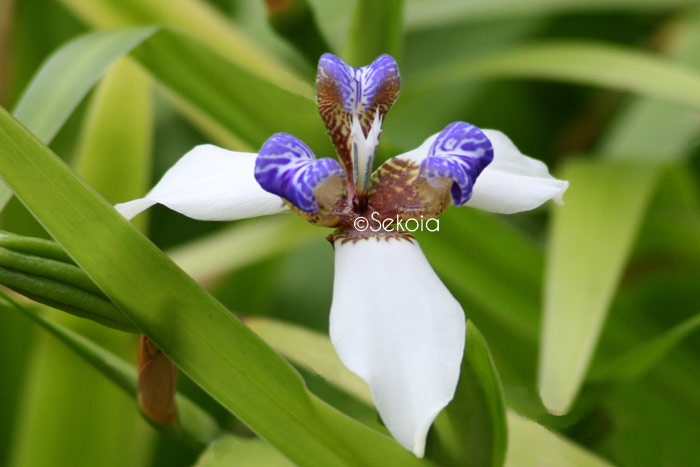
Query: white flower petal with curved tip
(512, 182)
(209, 183)
(395, 324)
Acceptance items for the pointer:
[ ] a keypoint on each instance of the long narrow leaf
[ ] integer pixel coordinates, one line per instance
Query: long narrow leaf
(65, 78)
(203, 338)
(197, 19)
(376, 29)
(252, 108)
(316, 353)
(532, 445)
(244, 243)
(241, 453)
(125, 150)
(472, 429)
(634, 133)
(194, 425)
(107, 149)
(73, 70)
(603, 210)
(588, 63)
(421, 14)
(632, 139)
(639, 360)
(56, 375)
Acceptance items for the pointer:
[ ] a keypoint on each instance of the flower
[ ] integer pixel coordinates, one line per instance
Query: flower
(392, 321)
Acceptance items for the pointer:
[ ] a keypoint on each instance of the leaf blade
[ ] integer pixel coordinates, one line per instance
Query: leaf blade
(581, 62)
(375, 29)
(65, 78)
(532, 445)
(634, 363)
(217, 351)
(473, 427)
(603, 210)
(74, 69)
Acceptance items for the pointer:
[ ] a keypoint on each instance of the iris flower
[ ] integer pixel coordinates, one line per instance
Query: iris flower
(392, 321)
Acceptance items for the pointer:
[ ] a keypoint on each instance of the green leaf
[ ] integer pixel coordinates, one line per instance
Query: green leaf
(41, 270)
(197, 19)
(528, 442)
(376, 29)
(632, 139)
(255, 108)
(5, 195)
(496, 265)
(64, 296)
(472, 429)
(57, 88)
(590, 239)
(194, 425)
(65, 78)
(294, 20)
(34, 246)
(634, 363)
(208, 258)
(312, 350)
(634, 132)
(532, 445)
(252, 109)
(421, 14)
(672, 231)
(495, 271)
(334, 20)
(33, 263)
(68, 74)
(75, 433)
(195, 331)
(578, 62)
(107, 149)
(242, 453)
(117, 370)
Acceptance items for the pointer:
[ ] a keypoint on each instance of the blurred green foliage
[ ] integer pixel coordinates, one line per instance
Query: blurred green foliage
(637, 401)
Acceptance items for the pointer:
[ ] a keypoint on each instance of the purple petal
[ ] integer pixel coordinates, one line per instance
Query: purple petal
(344, 91)
(359, 87)
(287, 167)
(460, 152)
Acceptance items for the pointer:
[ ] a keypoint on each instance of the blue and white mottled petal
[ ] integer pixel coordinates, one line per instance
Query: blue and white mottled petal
(288, 168)
(395, 324)
(345, 92)
(359, 87)
(511, 183)
(460, 152)
(209, 183)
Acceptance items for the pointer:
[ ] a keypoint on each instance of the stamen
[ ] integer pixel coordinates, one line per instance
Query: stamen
(364, 149)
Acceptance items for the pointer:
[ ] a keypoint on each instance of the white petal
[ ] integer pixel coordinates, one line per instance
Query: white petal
(209, 183)
(421, 152)
(514, 182)
(395, 324)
